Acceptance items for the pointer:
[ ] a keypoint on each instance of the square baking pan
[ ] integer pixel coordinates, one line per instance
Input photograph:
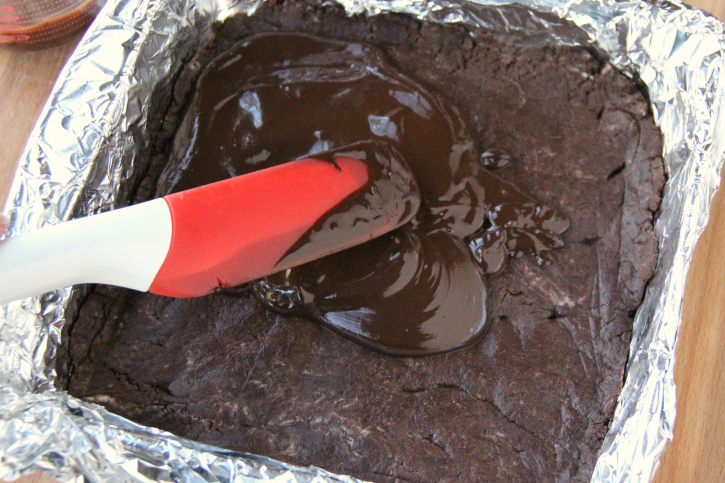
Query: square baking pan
(92, 139)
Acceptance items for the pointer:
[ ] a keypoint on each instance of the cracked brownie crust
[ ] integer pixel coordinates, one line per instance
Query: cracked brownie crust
(531, 402)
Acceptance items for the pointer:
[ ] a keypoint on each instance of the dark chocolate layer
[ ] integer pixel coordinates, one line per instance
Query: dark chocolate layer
(531, 402)
(417, 291)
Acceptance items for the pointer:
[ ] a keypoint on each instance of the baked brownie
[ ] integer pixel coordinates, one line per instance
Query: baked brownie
(531, 401)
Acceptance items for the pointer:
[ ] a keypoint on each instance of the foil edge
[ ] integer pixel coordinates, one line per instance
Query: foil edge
(73, 150)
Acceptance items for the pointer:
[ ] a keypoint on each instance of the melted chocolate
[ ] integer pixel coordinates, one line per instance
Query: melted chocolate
(418, 290)
(389, 199)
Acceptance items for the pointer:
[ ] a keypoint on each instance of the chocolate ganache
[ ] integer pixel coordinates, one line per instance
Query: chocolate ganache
(390, 198)
(418, 290)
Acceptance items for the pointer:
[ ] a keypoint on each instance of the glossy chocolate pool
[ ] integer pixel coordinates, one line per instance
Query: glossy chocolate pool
(418, 290)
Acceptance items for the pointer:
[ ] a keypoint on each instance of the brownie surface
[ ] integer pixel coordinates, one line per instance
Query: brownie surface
(531, 402)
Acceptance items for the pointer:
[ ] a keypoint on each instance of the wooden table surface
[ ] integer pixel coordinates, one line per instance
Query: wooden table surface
(697, 453)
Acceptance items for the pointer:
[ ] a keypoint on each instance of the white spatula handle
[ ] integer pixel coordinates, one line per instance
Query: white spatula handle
(125, 247)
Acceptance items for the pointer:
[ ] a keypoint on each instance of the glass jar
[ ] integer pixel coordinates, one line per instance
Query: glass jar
(44, 23)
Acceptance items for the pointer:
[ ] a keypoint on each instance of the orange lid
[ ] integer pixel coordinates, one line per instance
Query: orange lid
(44, 23)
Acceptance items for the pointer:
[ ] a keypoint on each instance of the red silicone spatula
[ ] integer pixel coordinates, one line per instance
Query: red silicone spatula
(222, 234)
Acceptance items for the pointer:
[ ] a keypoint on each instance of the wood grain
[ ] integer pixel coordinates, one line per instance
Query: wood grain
(697, 453)
(715, 7)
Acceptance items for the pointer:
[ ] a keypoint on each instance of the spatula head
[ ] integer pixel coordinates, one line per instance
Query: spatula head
(244, 228)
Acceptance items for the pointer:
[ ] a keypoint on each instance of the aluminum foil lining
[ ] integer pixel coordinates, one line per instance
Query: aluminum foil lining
(82, 152)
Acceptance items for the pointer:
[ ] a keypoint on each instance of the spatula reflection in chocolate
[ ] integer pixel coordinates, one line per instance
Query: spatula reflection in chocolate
(423, 295)
(389, 199)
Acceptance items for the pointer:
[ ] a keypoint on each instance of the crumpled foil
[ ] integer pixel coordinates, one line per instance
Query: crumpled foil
(82, 152)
